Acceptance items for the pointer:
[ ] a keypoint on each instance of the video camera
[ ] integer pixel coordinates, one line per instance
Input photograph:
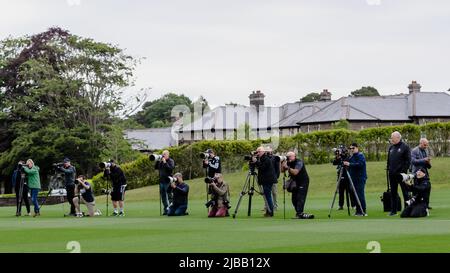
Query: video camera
(341, 151)
(155, 157)
(251, 156)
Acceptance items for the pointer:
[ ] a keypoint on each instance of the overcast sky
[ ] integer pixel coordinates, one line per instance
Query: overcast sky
(226, 49)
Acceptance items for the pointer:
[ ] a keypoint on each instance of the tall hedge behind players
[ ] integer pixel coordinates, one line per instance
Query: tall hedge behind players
(398, 161)
(297, 172)
(165, 166)
(69, 182)
(357, 168)
(119, 184)
(34, 183)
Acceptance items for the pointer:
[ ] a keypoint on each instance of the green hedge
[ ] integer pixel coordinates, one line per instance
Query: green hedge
(313, 148)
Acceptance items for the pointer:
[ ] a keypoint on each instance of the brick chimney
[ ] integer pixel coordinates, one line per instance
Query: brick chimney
(414, 87)
(325, 95)
(257, 99)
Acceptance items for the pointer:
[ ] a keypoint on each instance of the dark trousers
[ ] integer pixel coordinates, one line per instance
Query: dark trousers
(394, 181)
(70, 195)
(418, 209)
(344, 186)
(179, 210)
(24, 198)
(299, 198)
(267, 189)
(359, 187)
(427, 196)
(165, 192)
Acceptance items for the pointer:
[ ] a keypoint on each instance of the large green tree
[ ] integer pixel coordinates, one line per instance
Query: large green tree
(59, 93)
(368, 91)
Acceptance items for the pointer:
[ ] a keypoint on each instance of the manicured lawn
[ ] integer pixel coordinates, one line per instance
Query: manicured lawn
(143, 230)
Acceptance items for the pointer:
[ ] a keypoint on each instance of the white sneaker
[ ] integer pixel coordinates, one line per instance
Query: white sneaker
(98, 213)
(428, 212)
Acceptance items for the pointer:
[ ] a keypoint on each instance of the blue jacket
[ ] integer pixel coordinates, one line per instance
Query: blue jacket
(357, 168)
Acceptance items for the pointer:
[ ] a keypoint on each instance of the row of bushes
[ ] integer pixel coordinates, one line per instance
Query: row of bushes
(313, 148)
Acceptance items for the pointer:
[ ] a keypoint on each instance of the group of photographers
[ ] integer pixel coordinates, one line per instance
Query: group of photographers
(352, 176)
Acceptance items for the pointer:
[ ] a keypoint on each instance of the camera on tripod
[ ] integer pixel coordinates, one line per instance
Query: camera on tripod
(341, 152)
(57, 165)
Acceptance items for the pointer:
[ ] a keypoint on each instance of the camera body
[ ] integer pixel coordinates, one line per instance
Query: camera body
(408, 179)
(57, 165)
(210, 203)
(209, 180)
(77, 181)
(104, 165)
(341, 153)
(155, 157)
(173, 179)
(204, 156)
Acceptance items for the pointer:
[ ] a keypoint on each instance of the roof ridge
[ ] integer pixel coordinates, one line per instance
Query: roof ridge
(361, 111)
(334, 102)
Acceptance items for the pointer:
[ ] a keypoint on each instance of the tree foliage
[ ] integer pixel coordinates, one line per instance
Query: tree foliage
(368, 91)
(311, 97)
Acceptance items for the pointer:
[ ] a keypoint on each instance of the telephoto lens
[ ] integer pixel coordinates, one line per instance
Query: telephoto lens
(155, 157)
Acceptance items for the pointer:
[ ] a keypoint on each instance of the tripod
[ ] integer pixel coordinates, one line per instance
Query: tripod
(352, 188)
(22, 184)
(248, 188)
(284, 195)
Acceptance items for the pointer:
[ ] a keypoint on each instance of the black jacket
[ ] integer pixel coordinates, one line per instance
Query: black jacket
(180, 195)
(69, 175)
(420, 187)
(116, 175)
(266, 170)
(213, 166)
(302, 177)
(399, 158)
(165, 170)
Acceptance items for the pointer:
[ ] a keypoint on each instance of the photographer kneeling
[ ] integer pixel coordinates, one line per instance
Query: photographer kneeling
(417, 205)
(220, 196)
(83, 191)
(180, 196)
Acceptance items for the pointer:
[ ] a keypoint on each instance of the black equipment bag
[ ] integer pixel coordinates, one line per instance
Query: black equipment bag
(386, 198)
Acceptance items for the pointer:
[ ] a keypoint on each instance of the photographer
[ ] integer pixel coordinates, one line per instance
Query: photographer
(420, 159)
(297, 172)
(417, 205)
(266, 177)
(83, 191)
(398, 161)
(165, 167)
(180, 196)
(357, 168)
(341, 155)
(34, 184)
(69, 182)
(17, 183)
(220, 197)
(211, 163)
(119, 184)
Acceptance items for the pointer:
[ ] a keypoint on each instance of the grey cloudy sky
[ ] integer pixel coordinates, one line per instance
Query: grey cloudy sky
(225, 49)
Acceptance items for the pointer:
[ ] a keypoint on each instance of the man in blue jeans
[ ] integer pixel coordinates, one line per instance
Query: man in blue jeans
(266, 176)
(356, 166)
(165, 168)
(180, 196)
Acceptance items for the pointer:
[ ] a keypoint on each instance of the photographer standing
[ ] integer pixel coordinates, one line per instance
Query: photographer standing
(357, 168)
(212, 164)
(119, 184)
(165, 167)
(69, 183)
(266, 177)
(344, 183)
(420, 159)
(417, 205)
(180, 196)
(34, 183)
(398, 161)
(19, 185)
(220, 197)
(83, 191)
(297, 172)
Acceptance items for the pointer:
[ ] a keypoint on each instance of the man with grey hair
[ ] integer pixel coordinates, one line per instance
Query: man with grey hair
(398, 161)
(420, 159)
(165, 167)
(180, 196)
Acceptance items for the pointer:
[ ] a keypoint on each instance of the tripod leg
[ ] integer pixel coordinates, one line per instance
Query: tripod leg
(284, 197)
(19, 208)
(347, 189)
(338, 182)
(352, 187)
(45, 199)
(243, 192)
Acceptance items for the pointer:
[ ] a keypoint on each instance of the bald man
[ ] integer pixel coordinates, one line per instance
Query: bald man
(420, 159)
(398, 161)
(165, 166)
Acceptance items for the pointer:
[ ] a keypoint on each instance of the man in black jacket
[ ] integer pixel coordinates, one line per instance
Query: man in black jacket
(399, 160)
(21, 188)
(212, 164)
(266, 177)
(119, 184)
(417, 205)
(69, 183)
(180, 197)
(165, 167)
(297, 171)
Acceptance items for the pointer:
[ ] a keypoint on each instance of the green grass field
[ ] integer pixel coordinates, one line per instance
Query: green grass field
(143, 230)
